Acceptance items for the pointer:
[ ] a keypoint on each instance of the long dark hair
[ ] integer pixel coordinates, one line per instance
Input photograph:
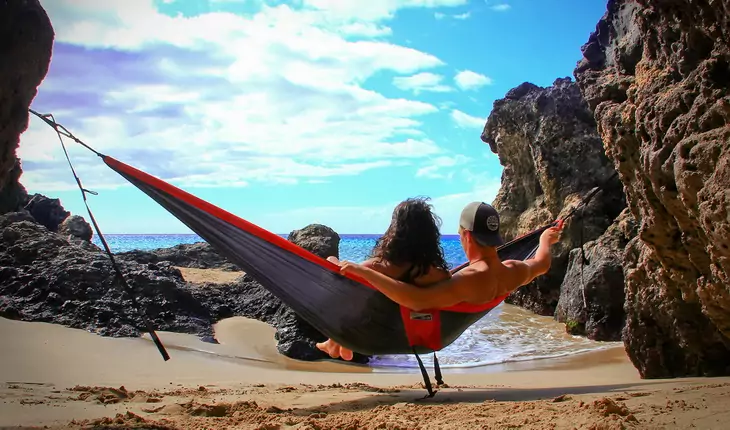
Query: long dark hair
(413, 238)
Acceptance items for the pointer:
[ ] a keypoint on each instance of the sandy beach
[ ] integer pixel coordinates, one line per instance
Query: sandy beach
(56, 377)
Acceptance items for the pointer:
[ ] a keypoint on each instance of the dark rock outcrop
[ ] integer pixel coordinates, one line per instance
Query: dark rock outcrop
(26, 41)
(657, 77)
(46, 276)
(77, 227)
(13, 195)
(317, 239)
(552, 155)
(199, 255)
(47, 211)
(592, 294)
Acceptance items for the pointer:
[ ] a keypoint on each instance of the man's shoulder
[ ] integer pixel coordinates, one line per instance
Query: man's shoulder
(476, 272)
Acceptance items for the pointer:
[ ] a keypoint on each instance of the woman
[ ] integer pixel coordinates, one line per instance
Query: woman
(409, 250)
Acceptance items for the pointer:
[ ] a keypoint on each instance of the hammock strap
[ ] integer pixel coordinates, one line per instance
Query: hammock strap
(62, 131)
(426, 379)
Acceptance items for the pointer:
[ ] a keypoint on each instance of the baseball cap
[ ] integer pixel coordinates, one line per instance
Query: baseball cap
(482, 220)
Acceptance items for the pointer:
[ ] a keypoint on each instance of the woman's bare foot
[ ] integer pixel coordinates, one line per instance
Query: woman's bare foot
(335, 350)
(330, 347)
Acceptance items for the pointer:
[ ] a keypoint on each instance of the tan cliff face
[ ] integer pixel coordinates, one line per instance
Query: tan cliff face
(657, 77)
(26, 41)
(552, 155)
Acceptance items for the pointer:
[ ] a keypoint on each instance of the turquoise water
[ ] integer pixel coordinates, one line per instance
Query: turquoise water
(506, 334)
(353, 247)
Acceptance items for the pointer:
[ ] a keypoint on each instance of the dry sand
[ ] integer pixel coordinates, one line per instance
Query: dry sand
(215, 276)
(64, 378)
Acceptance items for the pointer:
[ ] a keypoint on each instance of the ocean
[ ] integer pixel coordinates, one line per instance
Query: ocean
(506, 334)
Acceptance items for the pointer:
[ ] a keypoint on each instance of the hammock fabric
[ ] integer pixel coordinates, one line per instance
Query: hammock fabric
(358, 316)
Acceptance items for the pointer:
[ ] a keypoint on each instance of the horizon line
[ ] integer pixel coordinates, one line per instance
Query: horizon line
(278, 234)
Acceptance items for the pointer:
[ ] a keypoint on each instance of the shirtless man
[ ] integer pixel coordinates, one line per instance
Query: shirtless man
(486, 277)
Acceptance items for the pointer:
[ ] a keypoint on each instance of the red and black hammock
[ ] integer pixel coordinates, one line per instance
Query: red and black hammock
(344, 308)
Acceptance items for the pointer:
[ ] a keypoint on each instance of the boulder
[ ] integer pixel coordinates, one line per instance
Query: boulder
(25, 54)
(199, 255)
(592, 293)
(77, 227)
(317, 239)
(47, 211)
(546, 140)
(656, 76)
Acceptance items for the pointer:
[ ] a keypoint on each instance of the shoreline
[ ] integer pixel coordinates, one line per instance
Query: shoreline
(52, 375)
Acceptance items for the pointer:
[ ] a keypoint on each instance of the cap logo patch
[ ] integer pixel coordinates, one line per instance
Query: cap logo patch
(493, 223)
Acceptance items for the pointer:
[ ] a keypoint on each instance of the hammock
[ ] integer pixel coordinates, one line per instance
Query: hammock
(357, 315)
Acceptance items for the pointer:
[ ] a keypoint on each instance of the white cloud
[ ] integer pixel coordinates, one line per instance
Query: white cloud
(468, 80)
(222, 99)
(503, 7)
(461, 16)
(467, 121)
(435, 167)
(365, 29)
(376, 218)
(424, 81)
(375, 9)
(449, 207)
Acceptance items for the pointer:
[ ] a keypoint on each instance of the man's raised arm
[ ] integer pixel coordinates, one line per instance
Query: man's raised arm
(524, 272)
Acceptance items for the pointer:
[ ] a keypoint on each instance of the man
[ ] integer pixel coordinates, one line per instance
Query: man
(486, 277)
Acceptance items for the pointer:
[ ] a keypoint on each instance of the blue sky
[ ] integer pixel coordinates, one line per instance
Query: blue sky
(290, 113)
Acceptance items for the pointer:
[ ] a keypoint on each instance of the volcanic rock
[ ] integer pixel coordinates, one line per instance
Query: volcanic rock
(317, 239)
(50, 277)
(47, 211)
(657, 77)
(77, 227)
(26, 40)
(547, 142)
(592, 294)
(199, 255)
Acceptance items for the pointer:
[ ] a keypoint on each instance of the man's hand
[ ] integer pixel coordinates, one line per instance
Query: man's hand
(552, 235)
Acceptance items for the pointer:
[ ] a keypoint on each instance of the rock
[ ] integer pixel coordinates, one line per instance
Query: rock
(592, 294)
(198, 255)
(54, 280)
(657, 78)
(546, 140)
(12, 217)
(77, 227)
(48, 212)
(44, 276)
(317, 239)
(13, 196)
(25, 54)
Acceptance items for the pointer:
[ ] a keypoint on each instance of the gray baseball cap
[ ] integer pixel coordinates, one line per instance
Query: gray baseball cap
(482, 220)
